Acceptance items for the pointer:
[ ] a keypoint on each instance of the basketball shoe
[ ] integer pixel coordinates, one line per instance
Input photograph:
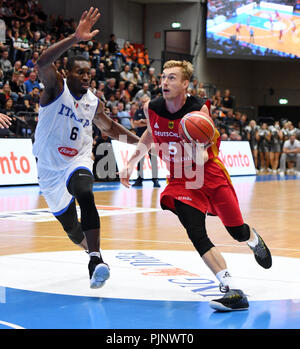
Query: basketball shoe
(261, 252)
(233, 300)
(99, 272)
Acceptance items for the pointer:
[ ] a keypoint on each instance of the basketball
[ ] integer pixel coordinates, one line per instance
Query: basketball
(197, 126)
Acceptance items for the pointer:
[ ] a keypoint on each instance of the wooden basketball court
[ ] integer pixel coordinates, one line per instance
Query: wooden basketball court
(272, 207)
(157, 279)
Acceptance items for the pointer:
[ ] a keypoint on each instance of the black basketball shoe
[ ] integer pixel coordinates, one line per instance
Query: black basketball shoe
(261, 252)
(99, 272)
(232, 300)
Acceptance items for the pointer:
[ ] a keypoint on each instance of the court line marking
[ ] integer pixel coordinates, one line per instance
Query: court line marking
(8, 324)
(148, 241)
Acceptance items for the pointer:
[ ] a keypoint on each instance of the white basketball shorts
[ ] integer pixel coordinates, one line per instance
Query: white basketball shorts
(53, 185)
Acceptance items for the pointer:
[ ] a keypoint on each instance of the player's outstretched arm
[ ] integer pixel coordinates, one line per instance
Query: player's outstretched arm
(47, 72)
(112, 128)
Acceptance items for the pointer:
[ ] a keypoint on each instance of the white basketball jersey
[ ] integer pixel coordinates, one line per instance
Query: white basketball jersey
(64, 130)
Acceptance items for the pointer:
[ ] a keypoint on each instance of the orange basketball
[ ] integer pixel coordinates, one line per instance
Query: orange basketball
(197, 126)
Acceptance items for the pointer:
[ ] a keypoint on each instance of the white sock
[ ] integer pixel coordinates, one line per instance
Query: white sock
(96, 254)
(226, 279)
(254, 241)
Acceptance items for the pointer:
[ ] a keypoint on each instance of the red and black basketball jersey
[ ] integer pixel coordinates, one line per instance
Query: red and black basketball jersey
(164, 127)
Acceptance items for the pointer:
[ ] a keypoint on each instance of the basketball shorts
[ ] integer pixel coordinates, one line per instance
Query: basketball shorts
(53, 185)
(219, 200)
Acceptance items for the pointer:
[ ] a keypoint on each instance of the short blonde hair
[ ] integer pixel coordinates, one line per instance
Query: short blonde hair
(186, 68)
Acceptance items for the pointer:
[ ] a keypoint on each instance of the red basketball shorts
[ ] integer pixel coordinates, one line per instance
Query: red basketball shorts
(217, 196)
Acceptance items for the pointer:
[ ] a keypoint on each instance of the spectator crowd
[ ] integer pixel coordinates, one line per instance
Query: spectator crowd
(122, 78)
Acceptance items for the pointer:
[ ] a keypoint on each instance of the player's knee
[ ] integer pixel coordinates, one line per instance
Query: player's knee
(199, 238)
(84, 196)
(240, 233)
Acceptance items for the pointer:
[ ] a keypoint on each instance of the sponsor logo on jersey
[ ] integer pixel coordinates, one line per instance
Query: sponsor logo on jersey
(156, 125)
(66, 111)
(68, 151)
(171, 125)
(166, 134)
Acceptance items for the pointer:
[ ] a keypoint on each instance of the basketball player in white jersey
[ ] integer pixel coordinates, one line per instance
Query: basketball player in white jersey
(63, 144)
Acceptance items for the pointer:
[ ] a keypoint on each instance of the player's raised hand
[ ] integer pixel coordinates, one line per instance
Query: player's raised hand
(4, 121)
(88, 19)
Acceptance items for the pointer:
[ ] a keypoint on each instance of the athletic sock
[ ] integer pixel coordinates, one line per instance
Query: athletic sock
(96, 254)
(254, 241)
(226, 279)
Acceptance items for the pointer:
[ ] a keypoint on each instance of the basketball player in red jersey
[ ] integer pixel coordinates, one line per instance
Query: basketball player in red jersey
(215, 197)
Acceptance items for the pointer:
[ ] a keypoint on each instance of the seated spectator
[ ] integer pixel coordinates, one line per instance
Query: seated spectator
(31, 62)
(5, 63)
(100, 94)
(144, 74)
(122, 86)
(106, 57)
(112, 102)
(227, 101)
(235, 134)
(216, 101)
(129, 91)
(101, 73)
(8, 108)
(136, 79)
(201, 93)
(140, 59)
(13, 82)
(133, 108)
(93, 86)
(143, 92)
(290, 155)
(154, 88)
(31, 82)
(114, 113)
(25, 71)
(128, 52)
(46, 41)
(35, 43)
(32, 100)
(194, 84)
(21, 46)
(229, 119)
(112, 45)
(127, 103)
(110, 88)
(124, 116)
(17, 67)
(224, 134)
(7, 93)
(151, 72)
(126, 74)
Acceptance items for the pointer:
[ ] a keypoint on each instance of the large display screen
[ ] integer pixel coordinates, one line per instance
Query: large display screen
(253, 29)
